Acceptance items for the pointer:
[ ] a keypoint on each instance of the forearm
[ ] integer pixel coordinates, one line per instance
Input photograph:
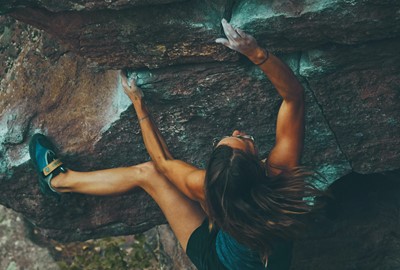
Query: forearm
(161, 139)
(164, 146)
(187, 178)
(154, 142)
(279, 74)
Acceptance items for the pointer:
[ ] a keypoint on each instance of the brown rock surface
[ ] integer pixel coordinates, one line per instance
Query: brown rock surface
(138, 37)
(75, 105)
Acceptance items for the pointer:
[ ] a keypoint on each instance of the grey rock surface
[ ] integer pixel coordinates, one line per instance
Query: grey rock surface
(17, 252)
(170, 254)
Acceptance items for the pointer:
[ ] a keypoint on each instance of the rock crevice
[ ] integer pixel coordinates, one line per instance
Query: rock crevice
(321, 109)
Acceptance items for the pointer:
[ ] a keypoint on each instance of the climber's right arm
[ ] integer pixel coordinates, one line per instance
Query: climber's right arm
(187, 178)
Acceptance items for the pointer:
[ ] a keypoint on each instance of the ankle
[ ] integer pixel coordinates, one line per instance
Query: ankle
(62, 181)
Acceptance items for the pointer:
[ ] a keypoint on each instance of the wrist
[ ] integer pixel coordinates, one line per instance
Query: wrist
(143, 118)
(258, 56)
(141, 109)
(136, 98)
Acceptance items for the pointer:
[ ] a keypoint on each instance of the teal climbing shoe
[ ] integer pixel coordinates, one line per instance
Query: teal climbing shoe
(44, 158)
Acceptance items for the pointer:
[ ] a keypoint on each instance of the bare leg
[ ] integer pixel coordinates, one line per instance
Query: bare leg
(183, 214)
(103, 182)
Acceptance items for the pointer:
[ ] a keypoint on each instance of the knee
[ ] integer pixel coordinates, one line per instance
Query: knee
(147, 171)
(149, 176)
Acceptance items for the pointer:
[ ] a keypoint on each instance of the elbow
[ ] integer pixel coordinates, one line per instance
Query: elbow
(296, 94)
(160, 165)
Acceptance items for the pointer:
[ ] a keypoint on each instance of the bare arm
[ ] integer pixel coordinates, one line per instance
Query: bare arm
(187, 178)
(290, 121)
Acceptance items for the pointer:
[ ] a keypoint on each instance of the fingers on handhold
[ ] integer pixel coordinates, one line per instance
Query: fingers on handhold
(123, 78)
(240, 32)
(229, 30)
(223, 41)
(122, 74)
(134, 76)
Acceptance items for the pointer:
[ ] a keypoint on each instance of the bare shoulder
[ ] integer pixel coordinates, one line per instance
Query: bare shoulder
(271, 169)
(196, 182)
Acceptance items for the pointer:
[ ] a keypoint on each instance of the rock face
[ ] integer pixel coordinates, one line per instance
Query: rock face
(16, 251)
(78, 5)
(358, 229)
(58, 76)
(150, 36)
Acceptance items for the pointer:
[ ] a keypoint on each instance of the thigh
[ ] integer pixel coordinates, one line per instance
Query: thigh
(183, 214)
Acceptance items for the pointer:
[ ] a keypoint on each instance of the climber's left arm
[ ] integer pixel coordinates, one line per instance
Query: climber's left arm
(290, 121)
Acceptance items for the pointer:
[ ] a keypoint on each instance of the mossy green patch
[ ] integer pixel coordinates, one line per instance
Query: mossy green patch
(109, 253)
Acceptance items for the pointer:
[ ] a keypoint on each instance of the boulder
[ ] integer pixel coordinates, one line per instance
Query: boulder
(59, 76)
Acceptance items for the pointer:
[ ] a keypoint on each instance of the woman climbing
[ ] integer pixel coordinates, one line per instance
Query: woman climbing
(239, 213)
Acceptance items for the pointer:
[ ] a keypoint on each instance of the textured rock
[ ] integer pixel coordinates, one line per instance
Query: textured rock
(300, 25)
(358, 230)
(358, 91)
(16, 251)
(62, 83)
(170, 254)
(72, 5)
(65, 97)
(133, 37)
(344, 52)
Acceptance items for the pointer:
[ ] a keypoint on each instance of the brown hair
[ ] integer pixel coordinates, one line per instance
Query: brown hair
(252, 207)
